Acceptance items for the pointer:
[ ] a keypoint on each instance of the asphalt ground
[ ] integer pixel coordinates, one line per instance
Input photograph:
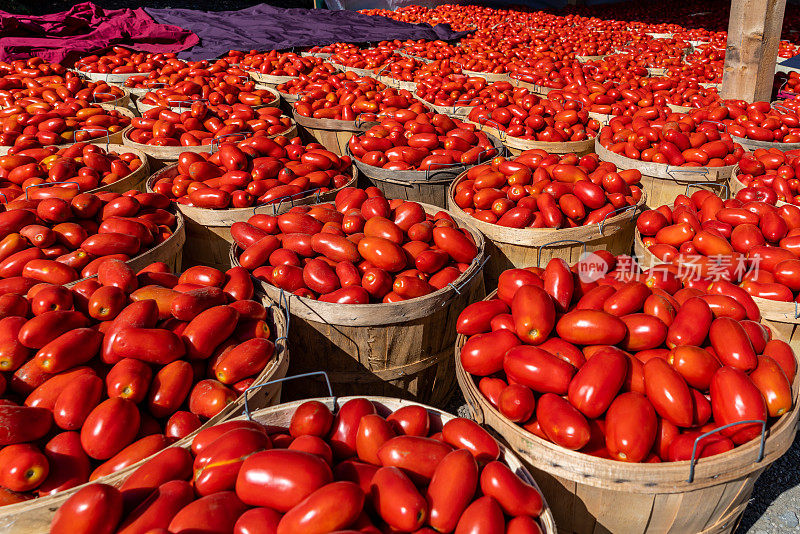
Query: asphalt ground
(775, 504)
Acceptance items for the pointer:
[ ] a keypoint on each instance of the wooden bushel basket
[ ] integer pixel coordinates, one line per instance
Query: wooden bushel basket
(697, 44)
(660, 35)
(359, 72)
(657, 72)
(397, 84)
(419, 58)
(121, 102)
(597, 495)
(113, 138)
(602, 118)
(429, 187)
(34, 516)
(169, 154)
(37, 521)
(402, 349)
(331, 133)
(321, 55)
(737, 185)
(680, 109)
(647, 258)
(287, 100)
(664, 182)
(138, 92)
(509, 248)
(269, 79)
(782, 317)
(586, 59)
(208, 232)
(458, 112)
(517, 146)
(490, 77)
(288, 97)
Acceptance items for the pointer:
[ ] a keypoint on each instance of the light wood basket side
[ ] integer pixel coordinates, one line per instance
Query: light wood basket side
(591, 494)
(400, 349)
(752, 144)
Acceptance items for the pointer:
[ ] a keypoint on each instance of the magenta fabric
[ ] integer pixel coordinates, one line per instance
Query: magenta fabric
(86, 28)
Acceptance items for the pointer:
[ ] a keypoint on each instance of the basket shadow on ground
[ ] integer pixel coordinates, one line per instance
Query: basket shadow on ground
(781, 476)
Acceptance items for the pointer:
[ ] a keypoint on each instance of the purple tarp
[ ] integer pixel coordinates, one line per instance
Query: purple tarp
(264, 27)
(86, 28)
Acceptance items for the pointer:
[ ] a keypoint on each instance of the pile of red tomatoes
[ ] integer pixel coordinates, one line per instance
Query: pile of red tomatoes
(405, 140)
(630, 367)
(87, 166)
(357, 468)
(202, 124)
(540, 190)
(528, 116)
(362, 248)
(255, 171)
(677, 140)
(706, 238)
(105, 374)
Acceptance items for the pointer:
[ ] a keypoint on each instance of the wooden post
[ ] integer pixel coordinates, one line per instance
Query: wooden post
(753, 34)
